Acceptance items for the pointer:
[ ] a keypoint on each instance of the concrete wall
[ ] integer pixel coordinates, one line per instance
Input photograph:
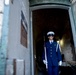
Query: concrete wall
(67, 47)
(15, 50)
(67, 51)
(1, 15)
(74, 19)
(34, 2)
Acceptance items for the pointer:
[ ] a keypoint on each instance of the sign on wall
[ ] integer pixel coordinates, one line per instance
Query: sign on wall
(24, 30)
(15, 67)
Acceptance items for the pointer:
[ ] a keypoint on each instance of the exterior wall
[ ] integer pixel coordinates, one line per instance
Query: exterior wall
(1, 15)
(74, 13)
(73, 20)
(4, 14)
(36, 2)
(1, 23)
(15, 50)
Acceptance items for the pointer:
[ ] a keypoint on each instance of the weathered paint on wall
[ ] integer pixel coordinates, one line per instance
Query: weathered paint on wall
(15, 49)
(74, 13)
(4, 40)
(35, 2)
(1, 16)
(73, 7)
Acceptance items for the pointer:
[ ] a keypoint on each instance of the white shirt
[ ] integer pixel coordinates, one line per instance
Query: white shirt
(51, 41)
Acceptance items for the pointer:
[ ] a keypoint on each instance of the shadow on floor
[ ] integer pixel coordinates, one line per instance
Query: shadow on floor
(67, 71)
(62, 71)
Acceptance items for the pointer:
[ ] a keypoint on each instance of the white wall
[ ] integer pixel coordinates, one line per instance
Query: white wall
(1, 16)
(15, 49)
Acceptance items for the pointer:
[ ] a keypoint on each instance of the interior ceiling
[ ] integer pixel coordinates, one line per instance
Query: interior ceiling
(45, 20)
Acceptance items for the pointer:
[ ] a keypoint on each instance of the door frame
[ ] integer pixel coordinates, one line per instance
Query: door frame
(31, 27)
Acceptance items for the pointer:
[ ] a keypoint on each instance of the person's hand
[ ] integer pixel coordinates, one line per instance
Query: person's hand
(60, 63)
(45, 62)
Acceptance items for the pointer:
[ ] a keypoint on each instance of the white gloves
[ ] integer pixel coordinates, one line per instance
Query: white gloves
(60, 63)
(45, 62)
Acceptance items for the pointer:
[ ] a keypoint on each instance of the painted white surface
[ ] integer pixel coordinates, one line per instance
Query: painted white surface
(15, 50)
(1, 15)
(1, 5)
(1, 20)
(20, 67)
(7, 2)
(9, 67)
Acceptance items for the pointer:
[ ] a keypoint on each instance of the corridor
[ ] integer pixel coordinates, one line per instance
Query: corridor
(56, 20)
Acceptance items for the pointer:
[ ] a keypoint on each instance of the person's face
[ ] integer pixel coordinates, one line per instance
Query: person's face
(50, 37)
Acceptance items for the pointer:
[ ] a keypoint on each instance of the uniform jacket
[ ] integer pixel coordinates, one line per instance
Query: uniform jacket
(53, 54)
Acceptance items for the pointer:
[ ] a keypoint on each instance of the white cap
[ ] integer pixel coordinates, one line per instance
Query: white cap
(50, 33)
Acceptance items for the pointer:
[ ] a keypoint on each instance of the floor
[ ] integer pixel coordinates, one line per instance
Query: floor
(67, 71)
(62, 71)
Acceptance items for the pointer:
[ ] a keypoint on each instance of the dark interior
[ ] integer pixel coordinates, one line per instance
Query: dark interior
(45, 20)
(56, 20)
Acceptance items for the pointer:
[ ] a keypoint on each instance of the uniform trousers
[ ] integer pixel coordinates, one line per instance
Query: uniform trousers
(53, 70)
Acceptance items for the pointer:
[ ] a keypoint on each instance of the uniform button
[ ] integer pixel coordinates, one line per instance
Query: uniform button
(51, 53)
(51, 50)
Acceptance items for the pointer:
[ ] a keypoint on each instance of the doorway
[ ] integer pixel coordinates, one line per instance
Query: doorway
(57, 20)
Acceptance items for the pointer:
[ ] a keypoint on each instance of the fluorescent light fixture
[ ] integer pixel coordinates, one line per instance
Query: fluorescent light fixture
(7, 2)
(61, 42)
